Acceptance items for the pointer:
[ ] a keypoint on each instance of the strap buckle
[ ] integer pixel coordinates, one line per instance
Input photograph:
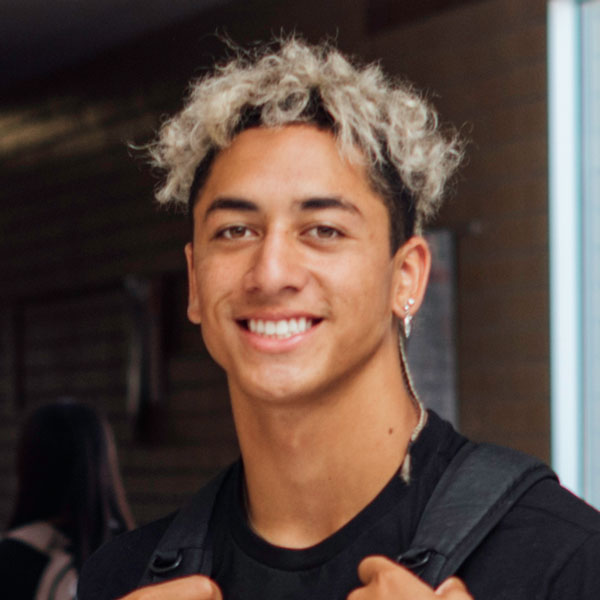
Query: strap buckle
(166, 562)
(415, 559)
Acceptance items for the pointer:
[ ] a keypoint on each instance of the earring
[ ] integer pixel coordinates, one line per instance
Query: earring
(407, 321)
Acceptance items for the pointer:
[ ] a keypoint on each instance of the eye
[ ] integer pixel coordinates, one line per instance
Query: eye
(324, 232)
(234, 232)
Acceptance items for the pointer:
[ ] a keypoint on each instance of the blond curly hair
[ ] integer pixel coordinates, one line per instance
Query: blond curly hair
(409, 157)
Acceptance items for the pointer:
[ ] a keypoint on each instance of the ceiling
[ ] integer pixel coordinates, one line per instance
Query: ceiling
(38, 37)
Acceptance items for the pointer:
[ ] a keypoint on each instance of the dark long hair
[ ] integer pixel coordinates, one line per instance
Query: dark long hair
(68, 474)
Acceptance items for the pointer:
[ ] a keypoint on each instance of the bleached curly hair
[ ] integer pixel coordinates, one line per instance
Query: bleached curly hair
(409, 158)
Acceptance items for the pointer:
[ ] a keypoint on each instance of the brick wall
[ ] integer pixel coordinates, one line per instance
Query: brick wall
(486, 64)
(77, 218)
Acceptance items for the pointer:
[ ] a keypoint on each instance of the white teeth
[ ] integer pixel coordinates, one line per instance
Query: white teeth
(284, 328)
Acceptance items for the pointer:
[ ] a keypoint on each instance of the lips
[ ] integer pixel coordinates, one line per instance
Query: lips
(280, 328)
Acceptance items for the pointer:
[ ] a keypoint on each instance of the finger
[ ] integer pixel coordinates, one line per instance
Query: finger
(193, 587)
(453, 588)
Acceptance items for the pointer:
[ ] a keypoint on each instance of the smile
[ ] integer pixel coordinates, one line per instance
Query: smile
(280, 329)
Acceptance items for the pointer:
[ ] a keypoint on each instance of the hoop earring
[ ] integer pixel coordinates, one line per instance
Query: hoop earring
(407, 321)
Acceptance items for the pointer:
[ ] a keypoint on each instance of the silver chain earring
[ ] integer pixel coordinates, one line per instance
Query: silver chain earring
(408, 317)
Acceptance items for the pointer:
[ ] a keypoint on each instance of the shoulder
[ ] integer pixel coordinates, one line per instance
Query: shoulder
(548, 501)
(116, 568)
(547, 536)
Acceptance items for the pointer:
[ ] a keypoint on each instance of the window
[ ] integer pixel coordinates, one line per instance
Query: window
(574, 186)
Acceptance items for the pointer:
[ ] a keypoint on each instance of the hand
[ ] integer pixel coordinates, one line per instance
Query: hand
(192, 587)
(387, 580)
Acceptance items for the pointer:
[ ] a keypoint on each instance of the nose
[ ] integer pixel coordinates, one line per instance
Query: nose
(276, 266)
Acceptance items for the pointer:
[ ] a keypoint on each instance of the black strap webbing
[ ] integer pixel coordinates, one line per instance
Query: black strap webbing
(477, 489)
(184, 548)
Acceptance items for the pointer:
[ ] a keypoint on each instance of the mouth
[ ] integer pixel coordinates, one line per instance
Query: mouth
(279, 329)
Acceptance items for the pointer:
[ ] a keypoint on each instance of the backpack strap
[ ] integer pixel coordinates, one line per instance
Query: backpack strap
(184, 548)
(481, 484)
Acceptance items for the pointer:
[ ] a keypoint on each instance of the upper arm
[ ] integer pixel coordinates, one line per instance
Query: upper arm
(580, 576)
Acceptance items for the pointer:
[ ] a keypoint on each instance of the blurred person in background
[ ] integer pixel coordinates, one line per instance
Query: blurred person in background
(70, 500)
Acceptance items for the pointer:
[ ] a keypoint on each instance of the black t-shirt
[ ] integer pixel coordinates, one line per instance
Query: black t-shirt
(248, 568)
(547, 547)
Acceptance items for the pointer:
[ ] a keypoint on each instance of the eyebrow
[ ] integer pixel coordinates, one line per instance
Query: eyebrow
(238, 204)
(320, 203)
(314, 203)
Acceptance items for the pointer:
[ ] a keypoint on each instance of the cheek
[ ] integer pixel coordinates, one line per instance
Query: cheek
(216, 282)
(361, 282)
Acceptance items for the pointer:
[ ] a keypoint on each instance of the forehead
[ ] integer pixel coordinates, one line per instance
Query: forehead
(295, 160)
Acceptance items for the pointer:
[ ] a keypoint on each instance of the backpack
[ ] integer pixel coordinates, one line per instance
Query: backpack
(480, 485)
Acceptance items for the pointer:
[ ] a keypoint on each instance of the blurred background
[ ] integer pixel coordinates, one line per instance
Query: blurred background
(92, 274)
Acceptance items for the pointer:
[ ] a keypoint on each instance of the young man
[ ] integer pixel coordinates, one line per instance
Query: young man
(309, 180)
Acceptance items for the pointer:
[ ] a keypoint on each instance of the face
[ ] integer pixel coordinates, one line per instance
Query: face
(290, 270)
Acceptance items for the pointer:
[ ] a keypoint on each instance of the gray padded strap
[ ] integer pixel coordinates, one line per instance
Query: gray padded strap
(479, 487)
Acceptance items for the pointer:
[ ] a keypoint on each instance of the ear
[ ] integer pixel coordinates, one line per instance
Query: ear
(193, 309)
(412, 264)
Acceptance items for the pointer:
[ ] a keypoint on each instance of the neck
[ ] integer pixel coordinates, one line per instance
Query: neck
(311, 466)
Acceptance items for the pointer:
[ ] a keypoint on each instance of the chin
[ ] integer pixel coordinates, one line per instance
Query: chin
(277, 388)
(280, 393)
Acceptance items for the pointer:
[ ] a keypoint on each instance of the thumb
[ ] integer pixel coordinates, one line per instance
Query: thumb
(191, 587)
(372, 566)
(215, 592)
(200, 587)
(452, 586)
